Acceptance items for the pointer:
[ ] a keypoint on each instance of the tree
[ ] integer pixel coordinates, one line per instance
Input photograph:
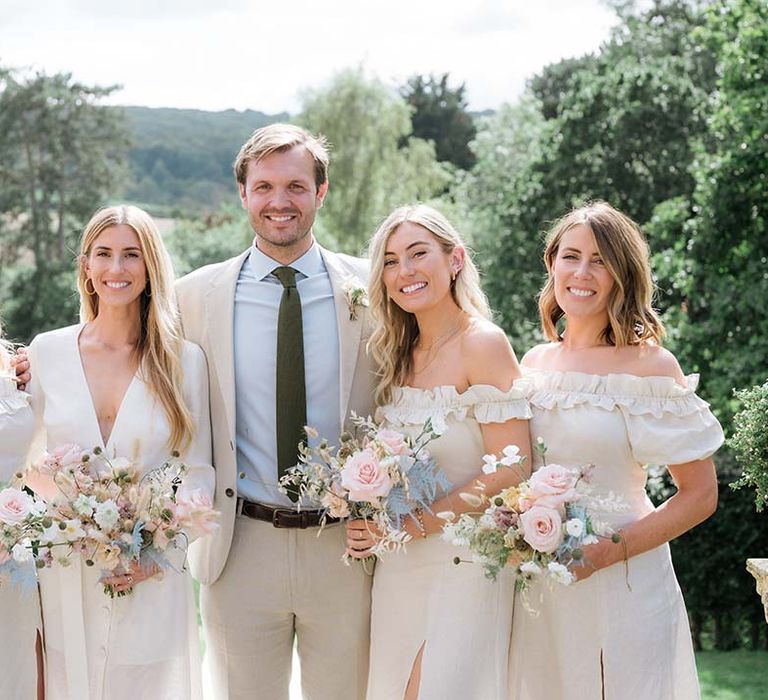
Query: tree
(621, 128)
(371, 173)
(487, 202)
(60, 156)
(440, 115)
(726, 282)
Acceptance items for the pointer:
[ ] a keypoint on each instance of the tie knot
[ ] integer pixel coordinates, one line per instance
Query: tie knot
(286, 275)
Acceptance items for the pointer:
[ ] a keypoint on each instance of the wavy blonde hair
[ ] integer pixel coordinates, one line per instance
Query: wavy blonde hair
(624, 250)
(160, 339)
(395, 331)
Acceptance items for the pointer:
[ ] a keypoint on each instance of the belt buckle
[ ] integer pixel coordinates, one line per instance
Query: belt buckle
(278, 513)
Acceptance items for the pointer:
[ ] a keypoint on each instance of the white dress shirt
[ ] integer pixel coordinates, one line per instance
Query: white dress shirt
(257, 302)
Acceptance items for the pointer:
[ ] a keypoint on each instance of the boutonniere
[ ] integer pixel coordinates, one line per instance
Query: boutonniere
(356, 296)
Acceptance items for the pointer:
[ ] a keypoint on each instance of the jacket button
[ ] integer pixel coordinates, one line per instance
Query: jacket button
(229, 492)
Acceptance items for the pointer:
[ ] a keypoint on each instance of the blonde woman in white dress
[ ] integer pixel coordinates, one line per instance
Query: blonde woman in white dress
(439, 631)
(605, 392)
(19, 610)
(123, 380)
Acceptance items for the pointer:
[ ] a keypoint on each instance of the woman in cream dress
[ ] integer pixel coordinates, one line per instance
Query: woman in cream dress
(19, 610)
(125, 381)
(605, 393)
(439, 631)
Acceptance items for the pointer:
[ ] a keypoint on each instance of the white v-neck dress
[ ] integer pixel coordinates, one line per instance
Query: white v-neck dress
(143, 646)
(19, 610)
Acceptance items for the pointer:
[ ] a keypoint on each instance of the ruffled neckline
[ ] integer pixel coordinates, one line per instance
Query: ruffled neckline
(11, 399)
(484, 402)
(654, 395)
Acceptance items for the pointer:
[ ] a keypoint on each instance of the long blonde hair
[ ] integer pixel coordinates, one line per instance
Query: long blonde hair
(160, 339)
(395, 331)
(624, 250)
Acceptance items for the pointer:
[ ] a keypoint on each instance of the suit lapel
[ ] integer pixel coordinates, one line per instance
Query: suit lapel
(350, 331)
(220, 313)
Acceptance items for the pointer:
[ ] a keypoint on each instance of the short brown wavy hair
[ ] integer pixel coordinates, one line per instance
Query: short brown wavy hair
(624, 250)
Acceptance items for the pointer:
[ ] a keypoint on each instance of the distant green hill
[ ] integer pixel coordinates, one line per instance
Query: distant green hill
(181, 159)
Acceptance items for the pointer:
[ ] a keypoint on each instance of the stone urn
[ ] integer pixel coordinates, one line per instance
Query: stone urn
(759, 569)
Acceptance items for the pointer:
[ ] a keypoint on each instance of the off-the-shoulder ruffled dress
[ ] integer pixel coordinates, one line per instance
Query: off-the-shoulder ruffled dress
(19, 611)
(601, 638)
(420, 596)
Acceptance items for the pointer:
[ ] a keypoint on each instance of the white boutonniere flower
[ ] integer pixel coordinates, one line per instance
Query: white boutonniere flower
(356, 295)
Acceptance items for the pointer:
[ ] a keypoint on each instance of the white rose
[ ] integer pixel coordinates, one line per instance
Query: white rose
(560, 573)
(574, 527)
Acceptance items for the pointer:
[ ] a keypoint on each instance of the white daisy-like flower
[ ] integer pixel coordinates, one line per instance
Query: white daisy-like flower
(560, 573)
(511, 455)
(531, 568)
(490, 464)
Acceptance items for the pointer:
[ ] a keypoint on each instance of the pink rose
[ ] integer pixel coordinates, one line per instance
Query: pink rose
(64, 456)
(394, 441)
(15, 505)
(195, 514)
(365, 478)
(542, 528)
(551, 486)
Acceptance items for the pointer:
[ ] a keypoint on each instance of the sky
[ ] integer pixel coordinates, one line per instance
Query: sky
(251, 54)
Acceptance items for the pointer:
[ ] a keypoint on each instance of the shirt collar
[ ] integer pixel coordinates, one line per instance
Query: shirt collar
(309, 264)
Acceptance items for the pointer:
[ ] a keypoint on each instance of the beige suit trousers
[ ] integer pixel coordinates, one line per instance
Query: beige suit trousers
(278, 583)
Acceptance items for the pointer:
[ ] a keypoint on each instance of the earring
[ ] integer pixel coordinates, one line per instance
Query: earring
(147, 291)
(453, 275)
(89, 293)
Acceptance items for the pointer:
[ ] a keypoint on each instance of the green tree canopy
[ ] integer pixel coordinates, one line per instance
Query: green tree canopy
(440, 115)
(371, 172)
(61, 153)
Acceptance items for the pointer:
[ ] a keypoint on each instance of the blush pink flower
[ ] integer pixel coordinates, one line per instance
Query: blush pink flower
(15, 505)
(394, 441)
(542, 528)
(195, 514)
(551, 486)
(365, 478)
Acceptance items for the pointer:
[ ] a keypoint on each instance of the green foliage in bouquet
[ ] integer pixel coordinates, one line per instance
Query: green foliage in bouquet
(750, 441)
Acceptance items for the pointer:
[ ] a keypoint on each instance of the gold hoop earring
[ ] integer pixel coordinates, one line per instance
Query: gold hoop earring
(89, 293)
(453, 275)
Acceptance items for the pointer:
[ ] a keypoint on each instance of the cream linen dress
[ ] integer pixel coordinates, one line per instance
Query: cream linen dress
(598, 638)
(143, 646)
(19, 610)
(420, 595)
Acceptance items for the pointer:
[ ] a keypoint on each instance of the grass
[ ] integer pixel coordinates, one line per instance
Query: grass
(733, 675)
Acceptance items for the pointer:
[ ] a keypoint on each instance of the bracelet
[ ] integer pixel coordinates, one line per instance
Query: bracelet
(623, 539)
(420, 519)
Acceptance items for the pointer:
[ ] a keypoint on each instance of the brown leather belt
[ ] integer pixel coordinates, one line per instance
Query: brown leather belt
(283, 517)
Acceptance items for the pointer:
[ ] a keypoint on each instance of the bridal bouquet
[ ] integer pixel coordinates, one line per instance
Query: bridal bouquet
(110, 512)
(21, 518)
(377, 474)
(539, 527)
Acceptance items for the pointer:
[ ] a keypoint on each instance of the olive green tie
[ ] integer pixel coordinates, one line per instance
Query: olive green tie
(291, 405)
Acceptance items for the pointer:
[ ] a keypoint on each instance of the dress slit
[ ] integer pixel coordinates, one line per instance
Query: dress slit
(414, 679)
(602, 676)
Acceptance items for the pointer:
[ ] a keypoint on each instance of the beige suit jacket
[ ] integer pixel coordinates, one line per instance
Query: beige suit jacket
(206, 299)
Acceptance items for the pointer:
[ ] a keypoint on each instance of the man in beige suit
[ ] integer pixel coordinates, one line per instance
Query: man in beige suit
(267, 578)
